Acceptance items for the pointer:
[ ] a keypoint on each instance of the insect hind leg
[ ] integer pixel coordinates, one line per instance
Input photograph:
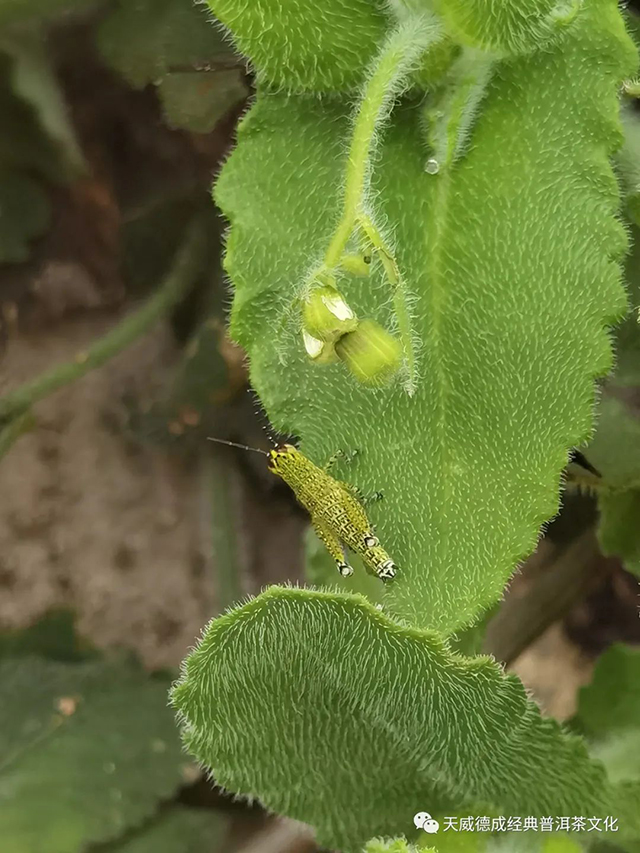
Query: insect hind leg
(333, 546)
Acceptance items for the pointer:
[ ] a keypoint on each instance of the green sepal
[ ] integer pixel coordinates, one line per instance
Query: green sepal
(326, 315)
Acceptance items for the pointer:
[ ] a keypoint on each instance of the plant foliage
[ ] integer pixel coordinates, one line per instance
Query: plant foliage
(372, 720)
(511, 255)
(87, 749)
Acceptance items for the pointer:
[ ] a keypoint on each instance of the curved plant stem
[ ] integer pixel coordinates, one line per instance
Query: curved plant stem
(400, 294)
(389, 77)
(186, 266)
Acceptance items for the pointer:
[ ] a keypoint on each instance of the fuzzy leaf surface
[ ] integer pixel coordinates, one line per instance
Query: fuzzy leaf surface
(330, 713)
(87, 751)
(509, 257)
(306, 45)
(506, 27)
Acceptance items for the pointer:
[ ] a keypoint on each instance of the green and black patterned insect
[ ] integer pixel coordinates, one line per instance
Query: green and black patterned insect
(337, 512)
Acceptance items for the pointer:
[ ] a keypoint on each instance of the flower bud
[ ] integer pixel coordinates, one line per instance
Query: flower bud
(326, 316)
(371, 353)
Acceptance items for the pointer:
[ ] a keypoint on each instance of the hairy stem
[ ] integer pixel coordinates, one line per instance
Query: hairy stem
(388, 78)
(186, 267)
(574, 570)
(400, 296)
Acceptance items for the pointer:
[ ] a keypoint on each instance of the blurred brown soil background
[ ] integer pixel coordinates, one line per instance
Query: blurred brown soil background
(97, 514)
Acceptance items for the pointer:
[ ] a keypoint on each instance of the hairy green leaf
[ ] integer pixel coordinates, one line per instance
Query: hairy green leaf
(327, 711)
(309, 46)
(178, 830)
(506, 27)
(509, 257)
(86, 751)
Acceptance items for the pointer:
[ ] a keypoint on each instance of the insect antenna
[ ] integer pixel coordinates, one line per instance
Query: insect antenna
(235, 444)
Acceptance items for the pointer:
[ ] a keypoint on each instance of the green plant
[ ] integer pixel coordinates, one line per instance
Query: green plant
(88, 750)
(429, 205)
(467, 205)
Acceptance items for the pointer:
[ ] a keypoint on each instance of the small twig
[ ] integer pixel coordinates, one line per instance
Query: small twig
(390, 72)
(186, 267)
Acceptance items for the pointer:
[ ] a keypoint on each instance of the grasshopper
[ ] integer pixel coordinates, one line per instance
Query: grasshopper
(336, 509)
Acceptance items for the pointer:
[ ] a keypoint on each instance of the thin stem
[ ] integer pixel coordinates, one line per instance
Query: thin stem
(224, 545)
(400, 296)
(388, 78)
(186, 267)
